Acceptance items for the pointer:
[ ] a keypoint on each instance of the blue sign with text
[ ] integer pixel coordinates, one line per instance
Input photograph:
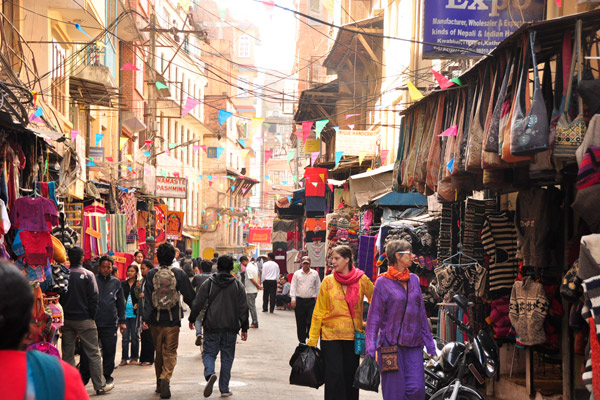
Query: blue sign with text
(473, 28)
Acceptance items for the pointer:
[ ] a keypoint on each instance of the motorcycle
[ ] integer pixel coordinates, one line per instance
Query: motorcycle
(453, 374)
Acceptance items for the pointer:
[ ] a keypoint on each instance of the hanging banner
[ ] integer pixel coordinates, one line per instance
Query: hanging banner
(353, 142)
(174, 224)
(476, 25)
(171, 187)
(160, 227)
(259, 235)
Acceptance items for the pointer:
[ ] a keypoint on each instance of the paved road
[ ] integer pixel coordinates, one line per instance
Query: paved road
(260, 370)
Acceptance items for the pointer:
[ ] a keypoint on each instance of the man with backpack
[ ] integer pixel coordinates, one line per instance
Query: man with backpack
(226, 313)
(162, 312)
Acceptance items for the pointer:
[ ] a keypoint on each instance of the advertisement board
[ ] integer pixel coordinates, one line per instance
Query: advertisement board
(352, 142)
(174, 224)
(171, 187)
(259, 235)
(161, 223)
(475, 25)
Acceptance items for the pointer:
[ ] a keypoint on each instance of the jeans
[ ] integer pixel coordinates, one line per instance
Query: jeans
(130, 336)
(213, 343)
(88, 336)
(270, 292)
(166, 341)
(304, 311)
(108, 341)
(252, 307)
(198, 325)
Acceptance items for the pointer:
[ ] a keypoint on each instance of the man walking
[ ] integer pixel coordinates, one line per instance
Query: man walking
(305, 288)
(163, 313)
(226, 313)
(110, 316)
(270, 272)
(199, 279)
(80, 304)
(252, 288)
(187, 264)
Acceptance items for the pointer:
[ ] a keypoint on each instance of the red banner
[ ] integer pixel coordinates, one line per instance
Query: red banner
(161, 228)
(259, 235)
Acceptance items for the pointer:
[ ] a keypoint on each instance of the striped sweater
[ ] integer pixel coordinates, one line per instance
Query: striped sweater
(499, 239)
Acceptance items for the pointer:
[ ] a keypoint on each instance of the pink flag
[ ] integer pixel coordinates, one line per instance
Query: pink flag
(351, 126)
(558, 3)
(306, 127)
(441, 80)
(313, 157)
(209, 183)
(74, 135)
(268, 155)
(129, 67)
(244, 190)
(384, 154)
(109, 159)
(195, 148)
(203, 147)
(452, 131)
(189, 104)
(330, 186)
(176, 174)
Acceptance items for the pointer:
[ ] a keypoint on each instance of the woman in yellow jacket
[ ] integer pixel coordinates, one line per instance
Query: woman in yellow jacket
(337, 315)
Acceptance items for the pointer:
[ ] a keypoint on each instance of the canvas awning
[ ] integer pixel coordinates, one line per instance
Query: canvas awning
(409, 199)
(368, 185)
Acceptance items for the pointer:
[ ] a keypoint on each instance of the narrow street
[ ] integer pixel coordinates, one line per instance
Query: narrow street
(260, 371)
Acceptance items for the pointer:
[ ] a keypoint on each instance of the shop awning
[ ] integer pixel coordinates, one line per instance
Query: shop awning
(133, 123)
(189, 235)
(47, 134)
(409, 199)
(371, 184)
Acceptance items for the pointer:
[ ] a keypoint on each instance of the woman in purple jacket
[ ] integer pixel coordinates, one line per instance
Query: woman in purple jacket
(397, 320)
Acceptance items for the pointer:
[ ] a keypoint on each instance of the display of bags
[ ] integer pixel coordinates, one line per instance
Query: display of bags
(492, 138)
(534, 138)
(570, 133)
(475, 139)
(589, 170)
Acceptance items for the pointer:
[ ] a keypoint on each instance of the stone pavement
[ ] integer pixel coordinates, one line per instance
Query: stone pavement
(260, 370)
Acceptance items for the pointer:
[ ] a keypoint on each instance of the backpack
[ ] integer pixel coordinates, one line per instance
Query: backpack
(165, 295)
(188, 267)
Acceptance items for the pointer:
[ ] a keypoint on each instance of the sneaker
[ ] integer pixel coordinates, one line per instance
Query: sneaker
(199, 340)
(165, 391)
(209, 385)
(227, 394)
(105, 389)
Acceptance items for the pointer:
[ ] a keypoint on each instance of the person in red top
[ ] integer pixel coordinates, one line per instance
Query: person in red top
(16, 304)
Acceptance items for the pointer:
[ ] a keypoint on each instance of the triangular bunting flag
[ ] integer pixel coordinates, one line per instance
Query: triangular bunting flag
(128, 157)
(351, 115)
(442, 81)
(306, 127)
(148, 142)
(457, 81)
(74, 134)
(452, 131)
(99, 138)
(109, 159)
(361, 156)
(210, 183)
(245, 153)
(414, 93)
(160, 85)
(450, 165)
(330, 186)
(384, 154)
(190, 103)
(338, 157)
(322, 177)
(242, 142)
(319, 125)
(195, 148)
(220, 151)
(351, 126)
(290, 155)
(313, 157)
(122, 141)
(90, 164)
(203, 147)
(172, 145)
(268, 155)
(280, 138)
(129, 67)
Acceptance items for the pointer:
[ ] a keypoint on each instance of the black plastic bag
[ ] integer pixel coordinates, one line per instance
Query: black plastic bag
(308, 367)
(367, 376)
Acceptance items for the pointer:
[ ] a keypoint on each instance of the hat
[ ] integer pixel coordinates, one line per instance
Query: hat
(306, 259)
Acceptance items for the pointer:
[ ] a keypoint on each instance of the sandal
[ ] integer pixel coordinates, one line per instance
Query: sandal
(146, 364)
(133, 362)
(123, 362)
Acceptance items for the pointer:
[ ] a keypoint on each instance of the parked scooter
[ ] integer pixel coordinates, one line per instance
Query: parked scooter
(452, 376)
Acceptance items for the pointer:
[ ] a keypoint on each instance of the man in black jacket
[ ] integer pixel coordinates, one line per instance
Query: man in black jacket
(110, 316)
(80, 304)
(227, 312)
(165, 324)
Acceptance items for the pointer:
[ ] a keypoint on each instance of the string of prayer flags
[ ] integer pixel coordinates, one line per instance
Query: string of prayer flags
(313, 157)
(268, 155)
(452, 131)
(319, 125)
(129, 67)
(290, 155)
(361, 156)
(80, 29)
(99, 138)
(384, 155)
(413, 92)
(159, 85)
(190, 103)
(36, 115)
(122, 141)
(306, 127)
(220, 151)
(74, 135)
(338, 157)
(442, 81)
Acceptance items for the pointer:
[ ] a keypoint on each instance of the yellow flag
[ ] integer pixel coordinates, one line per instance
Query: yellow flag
(128, 156)
(322, 177)
(361, 156)
(255, 125)
(245, 153)
(414, 92)
(122, 141)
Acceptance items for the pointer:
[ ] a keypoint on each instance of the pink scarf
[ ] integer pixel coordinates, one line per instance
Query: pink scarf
(351, 281)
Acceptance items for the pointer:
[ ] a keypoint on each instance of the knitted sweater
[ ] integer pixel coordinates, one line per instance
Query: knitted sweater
(528, 309)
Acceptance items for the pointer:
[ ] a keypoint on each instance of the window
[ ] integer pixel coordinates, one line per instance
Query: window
(315, 5)
(139, 75)
(244, 46)
(211, 152)
(58, 83)
(275, 177)
(243, 87)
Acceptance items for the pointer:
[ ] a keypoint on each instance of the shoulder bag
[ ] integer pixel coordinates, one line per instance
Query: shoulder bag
(569, 134)
(473, 154)
(389, 354)
(491, 144)
(491, 159)
(433, 161)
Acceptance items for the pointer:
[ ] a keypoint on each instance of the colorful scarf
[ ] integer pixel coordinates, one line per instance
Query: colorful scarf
(395, 275)
(351, 280)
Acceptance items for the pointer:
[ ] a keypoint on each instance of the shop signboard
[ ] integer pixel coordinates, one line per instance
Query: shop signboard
(352, 142)
(97, 154)
(174, 224)
(259, 235)
(171, 187)
(478, 26)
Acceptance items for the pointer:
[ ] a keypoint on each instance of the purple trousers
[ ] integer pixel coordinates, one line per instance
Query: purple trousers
(408, 383)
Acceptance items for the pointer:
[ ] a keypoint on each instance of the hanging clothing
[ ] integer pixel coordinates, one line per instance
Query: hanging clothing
(317, 253)
(128, 205)
(499, 238)
(528, 309)
(34, 214)
(366, 253)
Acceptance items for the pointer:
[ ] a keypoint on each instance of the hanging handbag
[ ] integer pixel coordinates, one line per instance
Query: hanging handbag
(475, 139)
(569, 134)
(433, 161)
(534, 138)
(492, 139)
(491, 159)
(464, 130)
(589, 170)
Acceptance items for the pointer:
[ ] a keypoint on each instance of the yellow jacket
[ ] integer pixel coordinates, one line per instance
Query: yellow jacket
(331, 318)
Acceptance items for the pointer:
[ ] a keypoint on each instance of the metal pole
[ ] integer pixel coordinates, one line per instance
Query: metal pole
(152, 108)
(297, 184)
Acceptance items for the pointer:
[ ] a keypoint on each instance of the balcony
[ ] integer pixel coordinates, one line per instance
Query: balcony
(92, 81)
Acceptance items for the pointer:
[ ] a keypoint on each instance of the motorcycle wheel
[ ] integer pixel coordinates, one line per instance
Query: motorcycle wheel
(465, 393)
